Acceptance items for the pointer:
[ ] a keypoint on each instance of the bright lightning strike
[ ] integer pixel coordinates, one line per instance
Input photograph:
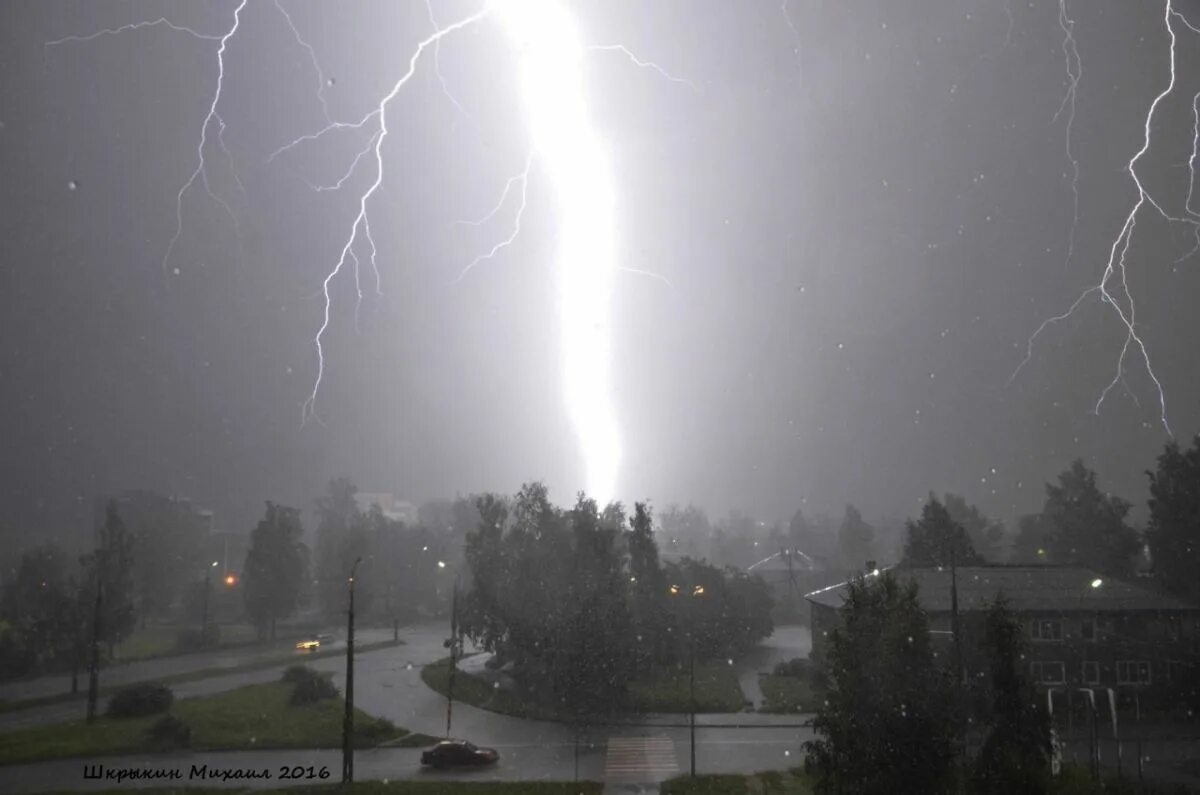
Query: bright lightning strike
(1126, 310)
(567, 149)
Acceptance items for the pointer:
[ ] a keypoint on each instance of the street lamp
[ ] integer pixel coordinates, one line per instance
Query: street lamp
(1093, 761)
(204, 612)
(697, 591)
(348, 719)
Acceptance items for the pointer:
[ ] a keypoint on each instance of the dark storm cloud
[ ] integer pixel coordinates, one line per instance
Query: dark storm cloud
(862, 226)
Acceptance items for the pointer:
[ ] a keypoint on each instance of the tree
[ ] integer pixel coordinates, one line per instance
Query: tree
(1088, 527)
(277, 568)
(1015, 756)
(38, 605)
(1031, 544)
(1174, 530)
(886, 725)
(985, 534)
(937, 540)
(337, 513)
(110, 567)
(855, 540)
(649, 588)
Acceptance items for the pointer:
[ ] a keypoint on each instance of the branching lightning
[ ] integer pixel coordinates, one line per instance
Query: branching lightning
(1121, 301)
(1074, 74)
(212, 116)
(641, 64)
(563, 144)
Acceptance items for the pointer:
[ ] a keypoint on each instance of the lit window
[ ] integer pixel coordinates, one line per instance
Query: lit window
(1091, 672)
(1047, 629)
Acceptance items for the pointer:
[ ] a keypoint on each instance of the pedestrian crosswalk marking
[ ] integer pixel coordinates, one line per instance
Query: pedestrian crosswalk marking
(640, 759)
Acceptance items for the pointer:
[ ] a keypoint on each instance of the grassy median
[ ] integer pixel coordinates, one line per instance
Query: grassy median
(255, 716)
(665, 691)
(775, 782)
(283, 658)
(788, 694)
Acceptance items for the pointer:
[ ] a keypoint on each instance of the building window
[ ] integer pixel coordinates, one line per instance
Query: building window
(1133, 672)
(1091, 672)
(1089, 629)
(1047, 673)
(1047, 629)
(1174, 628)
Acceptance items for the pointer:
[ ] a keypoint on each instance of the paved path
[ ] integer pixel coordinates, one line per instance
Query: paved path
(388, 684)
(160, 667)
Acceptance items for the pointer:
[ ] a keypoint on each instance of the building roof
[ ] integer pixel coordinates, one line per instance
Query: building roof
(779, 563)
(1027, 588)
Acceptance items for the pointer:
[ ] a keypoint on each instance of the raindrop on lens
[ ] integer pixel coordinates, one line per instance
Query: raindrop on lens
(72, 185)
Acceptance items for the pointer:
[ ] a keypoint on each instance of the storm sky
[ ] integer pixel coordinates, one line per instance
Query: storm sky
(858, 225)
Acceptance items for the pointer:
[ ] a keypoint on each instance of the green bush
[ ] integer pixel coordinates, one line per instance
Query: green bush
(168, 734)
(138, 700)
(192, 639)
(298, 673)
(311, 689)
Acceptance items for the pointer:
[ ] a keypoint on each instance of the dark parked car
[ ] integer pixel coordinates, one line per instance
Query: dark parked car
(448, 753)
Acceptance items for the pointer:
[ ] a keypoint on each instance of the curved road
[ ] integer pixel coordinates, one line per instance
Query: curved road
(388, 684)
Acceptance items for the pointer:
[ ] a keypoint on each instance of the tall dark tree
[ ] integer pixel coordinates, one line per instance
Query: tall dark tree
(855, 540)
(1031, 545)
(648, 591)
(1174, 530)
(986, 535)
(111, 565)
(886, 725)
(337, 515)
(38, 603)
(277, 568)
(1015, 756)
(937, 540)
(1089, 527)
(594, 658)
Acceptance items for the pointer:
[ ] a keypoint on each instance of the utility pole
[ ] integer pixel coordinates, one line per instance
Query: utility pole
(692, 684)
(94, 662)
(955, 628)
(453, 644)
(348, 719)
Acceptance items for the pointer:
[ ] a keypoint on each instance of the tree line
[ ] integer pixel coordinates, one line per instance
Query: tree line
(579, 602)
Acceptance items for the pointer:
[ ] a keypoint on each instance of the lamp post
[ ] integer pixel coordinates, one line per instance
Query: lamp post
(697, 591)
(94, 662)
(1093, 755)
(204, 613)
(453, 643)
(348, 719)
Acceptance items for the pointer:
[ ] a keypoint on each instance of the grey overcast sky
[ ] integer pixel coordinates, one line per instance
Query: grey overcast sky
(862, 216)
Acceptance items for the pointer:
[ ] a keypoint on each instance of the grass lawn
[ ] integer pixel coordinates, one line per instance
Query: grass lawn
(255, 716)
(788, 694)
(668, 690)
(284, 656)
(477, 692)
(771, 783)
(411, 788)
(717, 690)
(160, 640)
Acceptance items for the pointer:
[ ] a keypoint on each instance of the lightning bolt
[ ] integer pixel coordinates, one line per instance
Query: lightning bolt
(1116, 266)
(308, 408)
(564, 145)
(1074, 74)
(200, 172)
